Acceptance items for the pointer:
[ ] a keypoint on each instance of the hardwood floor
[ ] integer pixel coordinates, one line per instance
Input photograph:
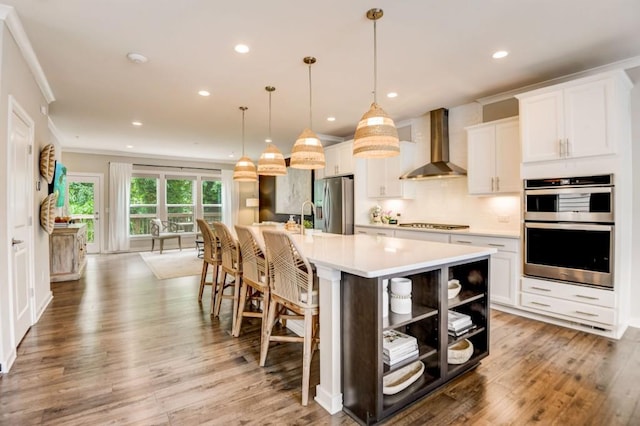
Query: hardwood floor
(120, 346)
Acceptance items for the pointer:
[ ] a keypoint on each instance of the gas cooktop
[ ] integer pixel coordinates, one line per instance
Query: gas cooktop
(423, 225)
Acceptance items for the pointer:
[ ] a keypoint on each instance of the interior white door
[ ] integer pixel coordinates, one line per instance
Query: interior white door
(20, 166)
(84, 195)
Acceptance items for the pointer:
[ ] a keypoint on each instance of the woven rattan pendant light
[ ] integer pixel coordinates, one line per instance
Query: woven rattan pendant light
(245, 170)
(271, 161)
(307, 152)
(376, 135)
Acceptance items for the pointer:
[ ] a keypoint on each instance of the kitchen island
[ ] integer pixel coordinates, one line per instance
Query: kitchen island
(363, 262)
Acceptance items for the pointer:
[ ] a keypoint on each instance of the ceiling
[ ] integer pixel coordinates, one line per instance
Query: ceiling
(432, 53)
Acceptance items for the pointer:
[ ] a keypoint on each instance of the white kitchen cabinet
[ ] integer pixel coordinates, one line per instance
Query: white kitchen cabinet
(579, 304)
(339, 159)
(439, 237)
(385, 232)
(504, 266)
(494, 157)
(572, 120)
(383, 174)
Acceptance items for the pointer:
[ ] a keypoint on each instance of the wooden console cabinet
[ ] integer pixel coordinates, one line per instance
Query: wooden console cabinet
(67, 252)
(363, 324)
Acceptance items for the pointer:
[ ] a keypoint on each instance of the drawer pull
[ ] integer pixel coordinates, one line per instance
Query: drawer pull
(540, 288)
(587, 297)
(541, 304)
(587, 314)
(463, 242)
(495, 245)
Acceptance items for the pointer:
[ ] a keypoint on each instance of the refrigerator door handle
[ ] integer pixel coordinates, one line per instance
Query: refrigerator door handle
(327, 207)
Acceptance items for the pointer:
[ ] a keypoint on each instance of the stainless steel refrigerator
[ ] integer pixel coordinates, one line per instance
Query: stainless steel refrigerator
(335, 205)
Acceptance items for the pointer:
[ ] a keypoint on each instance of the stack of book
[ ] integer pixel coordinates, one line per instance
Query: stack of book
(397, 347)
(458, 323)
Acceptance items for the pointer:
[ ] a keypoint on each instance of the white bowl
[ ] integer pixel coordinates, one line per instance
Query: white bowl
(454, 288)
(460, 352)
(401, 286)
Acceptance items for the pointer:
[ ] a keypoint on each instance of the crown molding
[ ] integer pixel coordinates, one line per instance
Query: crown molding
(10, 17)
(624, 64)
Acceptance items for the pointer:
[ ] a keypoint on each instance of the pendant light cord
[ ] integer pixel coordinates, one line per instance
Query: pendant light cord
(310, 98)
(270, 140)
(375, 64)
(243, 109)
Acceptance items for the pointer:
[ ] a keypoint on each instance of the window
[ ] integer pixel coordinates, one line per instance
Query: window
(177, 198)
(212, 200)
(181, 203)
(143, 204)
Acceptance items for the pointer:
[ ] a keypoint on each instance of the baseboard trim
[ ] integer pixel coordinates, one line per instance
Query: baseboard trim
(7, 363)
(634, 322)
(44, 306)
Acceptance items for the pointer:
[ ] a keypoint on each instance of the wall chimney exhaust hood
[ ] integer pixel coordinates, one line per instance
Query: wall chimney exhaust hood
(439, 167)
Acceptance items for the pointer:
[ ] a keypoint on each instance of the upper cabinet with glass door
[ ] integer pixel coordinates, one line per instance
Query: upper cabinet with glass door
(580, 118)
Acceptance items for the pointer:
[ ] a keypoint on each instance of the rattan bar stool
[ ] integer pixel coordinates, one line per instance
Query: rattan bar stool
(255, 283)
(231, 265)
(210, 256)
(291, 280)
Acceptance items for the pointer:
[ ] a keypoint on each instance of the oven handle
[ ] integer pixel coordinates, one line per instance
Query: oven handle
(572, 190)
(570, 226)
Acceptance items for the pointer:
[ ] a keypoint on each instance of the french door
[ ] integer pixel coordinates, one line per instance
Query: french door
(84, 198)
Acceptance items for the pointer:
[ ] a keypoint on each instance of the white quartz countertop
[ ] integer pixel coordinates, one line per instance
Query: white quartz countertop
(508, 233)
(373, 256)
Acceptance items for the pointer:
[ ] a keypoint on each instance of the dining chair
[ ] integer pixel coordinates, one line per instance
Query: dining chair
(255, 283)
(231, 265)
(293, 287)
(210, 256)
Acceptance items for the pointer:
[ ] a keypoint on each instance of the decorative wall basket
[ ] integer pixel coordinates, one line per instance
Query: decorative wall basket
(48, 162)
(47, 212)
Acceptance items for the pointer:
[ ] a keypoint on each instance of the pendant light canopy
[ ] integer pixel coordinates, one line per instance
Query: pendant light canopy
(307, 152)
(271, 161)
(245, 170)
(376, 135)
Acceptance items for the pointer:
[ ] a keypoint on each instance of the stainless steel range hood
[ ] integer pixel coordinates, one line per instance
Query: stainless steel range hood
(439, 165)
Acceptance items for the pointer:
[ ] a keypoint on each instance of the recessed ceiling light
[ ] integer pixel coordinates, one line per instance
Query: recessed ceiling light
(129, 146)
(500, 54)
(137, 58)
(231, 155)
(241, 48)
(331, 119)
(203, 93)
(267, 140)
(392, 95)
(137, 123)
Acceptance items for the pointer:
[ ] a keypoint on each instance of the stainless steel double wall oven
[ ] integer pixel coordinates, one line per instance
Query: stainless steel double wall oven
(569, 229)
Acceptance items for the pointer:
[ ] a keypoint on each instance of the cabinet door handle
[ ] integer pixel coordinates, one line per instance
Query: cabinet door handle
(561, 146)
(567, 153)
(586, 297)
(492, 185)
(541, 304)
(495, 245)
(497, 183)
(15, 242)
(540, 288)
(589, 314)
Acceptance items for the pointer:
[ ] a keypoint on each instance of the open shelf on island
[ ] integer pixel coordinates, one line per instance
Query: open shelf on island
(418, 312)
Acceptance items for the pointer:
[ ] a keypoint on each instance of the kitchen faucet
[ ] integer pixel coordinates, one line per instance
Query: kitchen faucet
(313, 207)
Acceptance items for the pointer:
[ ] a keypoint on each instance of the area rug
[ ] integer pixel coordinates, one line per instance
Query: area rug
(173, 263)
